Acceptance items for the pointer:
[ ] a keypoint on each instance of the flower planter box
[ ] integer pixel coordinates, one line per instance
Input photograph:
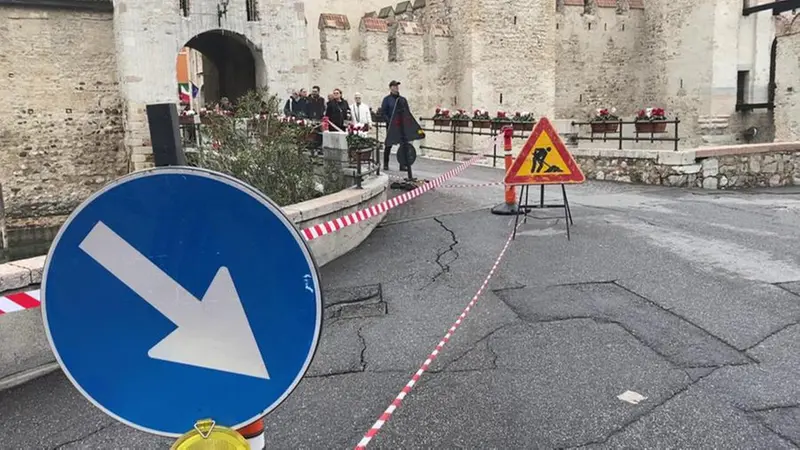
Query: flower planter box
(365, 157)
(186, 120)
(499, 124)
(605, 127)
(523, 126)
(658, 126)
(441, 122)
(481, 123)
(460, 123)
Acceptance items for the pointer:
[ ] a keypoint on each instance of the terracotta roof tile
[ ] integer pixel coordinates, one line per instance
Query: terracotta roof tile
(574, 2)
(606, 3)
(374, 24)
(334, 21)
(637, 4)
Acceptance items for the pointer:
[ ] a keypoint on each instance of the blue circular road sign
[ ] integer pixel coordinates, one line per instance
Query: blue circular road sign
(179, 294)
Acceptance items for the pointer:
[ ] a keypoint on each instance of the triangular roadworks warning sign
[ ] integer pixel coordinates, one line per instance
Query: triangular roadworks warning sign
(544, 160)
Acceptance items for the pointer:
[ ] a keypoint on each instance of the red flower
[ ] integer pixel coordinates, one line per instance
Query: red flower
(604, 112)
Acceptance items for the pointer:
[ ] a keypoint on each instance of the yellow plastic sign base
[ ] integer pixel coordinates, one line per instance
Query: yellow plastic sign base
(207, 435)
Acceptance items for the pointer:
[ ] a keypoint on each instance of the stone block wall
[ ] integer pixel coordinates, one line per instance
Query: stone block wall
(61, 128)
(334, 39)
(729, 167)
(374, 47)
(599, 59)
(415, 54)
(787, 69)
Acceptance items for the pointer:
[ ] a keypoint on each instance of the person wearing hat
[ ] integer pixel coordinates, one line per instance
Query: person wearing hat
(388, 109)
(401, 127)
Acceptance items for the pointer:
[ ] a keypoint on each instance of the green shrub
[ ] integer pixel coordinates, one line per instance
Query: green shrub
(254, 146)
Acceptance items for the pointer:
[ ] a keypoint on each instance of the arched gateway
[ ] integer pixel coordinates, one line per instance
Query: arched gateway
(243, 49)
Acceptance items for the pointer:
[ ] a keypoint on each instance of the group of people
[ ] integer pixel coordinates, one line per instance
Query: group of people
(401, 126)
(301, 104)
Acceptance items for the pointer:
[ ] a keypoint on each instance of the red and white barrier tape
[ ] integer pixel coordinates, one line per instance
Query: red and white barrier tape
(19, 301)
(472, 185)
(414, 379)
(28, 300)
(330, 226)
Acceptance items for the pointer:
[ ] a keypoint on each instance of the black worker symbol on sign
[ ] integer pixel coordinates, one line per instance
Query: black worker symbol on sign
(539, 155)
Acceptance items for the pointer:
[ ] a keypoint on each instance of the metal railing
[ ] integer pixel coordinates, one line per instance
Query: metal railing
(488, 128)
(644, 131)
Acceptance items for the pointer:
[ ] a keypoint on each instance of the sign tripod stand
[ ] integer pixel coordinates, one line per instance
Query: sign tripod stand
(525, 207)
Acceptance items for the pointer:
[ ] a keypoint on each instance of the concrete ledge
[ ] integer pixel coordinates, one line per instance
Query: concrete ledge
(24, 351)
(769, 147)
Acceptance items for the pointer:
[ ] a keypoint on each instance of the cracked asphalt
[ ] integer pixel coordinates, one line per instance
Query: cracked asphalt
(689, 298)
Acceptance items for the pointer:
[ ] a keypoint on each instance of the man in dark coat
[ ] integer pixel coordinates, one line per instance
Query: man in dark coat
(401, 127)
(315, 106)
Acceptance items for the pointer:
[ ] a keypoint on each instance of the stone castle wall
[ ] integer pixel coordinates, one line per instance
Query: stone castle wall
(62, 124)
(599, 59)
(79, 79)
(787, 92)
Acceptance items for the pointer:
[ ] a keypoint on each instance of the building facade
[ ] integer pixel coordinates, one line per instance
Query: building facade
(79, 73)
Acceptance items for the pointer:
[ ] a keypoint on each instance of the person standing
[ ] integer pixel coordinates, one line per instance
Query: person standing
(360, 113)
(338, 111)
(401, 127)
(290, 108)
(315, 105)
(302, 108)
(388, 110)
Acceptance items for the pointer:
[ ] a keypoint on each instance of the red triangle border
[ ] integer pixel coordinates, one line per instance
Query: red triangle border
(544, 126)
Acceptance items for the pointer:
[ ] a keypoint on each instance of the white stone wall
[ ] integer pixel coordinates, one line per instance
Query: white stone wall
(335, 45)
(374, 48)
(354, 10)
(787, 93)
(599, 62)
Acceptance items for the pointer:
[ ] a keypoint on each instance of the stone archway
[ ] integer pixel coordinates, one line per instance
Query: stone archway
(228, 65)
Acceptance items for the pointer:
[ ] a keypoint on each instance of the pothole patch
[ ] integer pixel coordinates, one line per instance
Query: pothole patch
(355, 302)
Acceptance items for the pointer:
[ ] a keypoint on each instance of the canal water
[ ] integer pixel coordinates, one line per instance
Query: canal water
(27, 242)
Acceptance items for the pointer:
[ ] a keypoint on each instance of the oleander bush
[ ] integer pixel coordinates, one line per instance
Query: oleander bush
(256, 145)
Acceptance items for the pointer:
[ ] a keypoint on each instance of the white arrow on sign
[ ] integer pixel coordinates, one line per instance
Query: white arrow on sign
(213, 333)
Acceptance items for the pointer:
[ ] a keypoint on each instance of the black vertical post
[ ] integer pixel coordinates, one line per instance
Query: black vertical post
(358, 168)
(621, 129)
(377, 159)
(494, 152)
(677, 121)
(453, 129)
(165, 135)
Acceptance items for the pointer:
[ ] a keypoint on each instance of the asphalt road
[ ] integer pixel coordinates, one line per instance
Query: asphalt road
(690, 299)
